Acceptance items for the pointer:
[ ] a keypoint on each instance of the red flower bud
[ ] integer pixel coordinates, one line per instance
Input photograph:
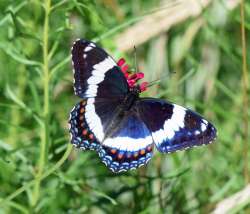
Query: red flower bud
(143, 86)
(121, 62)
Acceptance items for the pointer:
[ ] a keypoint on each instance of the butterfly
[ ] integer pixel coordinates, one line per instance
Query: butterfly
(122, 127)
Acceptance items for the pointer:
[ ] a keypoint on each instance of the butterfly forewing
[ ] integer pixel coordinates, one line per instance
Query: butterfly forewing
(98, 78)
(96, 74)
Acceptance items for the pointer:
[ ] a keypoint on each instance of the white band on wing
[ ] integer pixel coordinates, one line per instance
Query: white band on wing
(98, 75)
(93, 120)
(171, 125)
(127, 143)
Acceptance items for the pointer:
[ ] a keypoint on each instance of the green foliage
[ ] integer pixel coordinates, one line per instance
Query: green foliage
(36, 96)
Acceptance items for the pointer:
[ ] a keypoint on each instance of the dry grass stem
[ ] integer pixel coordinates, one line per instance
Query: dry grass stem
(163, 20)
(233, 201)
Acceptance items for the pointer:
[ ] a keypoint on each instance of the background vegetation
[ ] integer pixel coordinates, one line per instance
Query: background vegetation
(202, 58)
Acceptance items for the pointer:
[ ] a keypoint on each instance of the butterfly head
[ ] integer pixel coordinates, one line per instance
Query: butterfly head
(135, 89)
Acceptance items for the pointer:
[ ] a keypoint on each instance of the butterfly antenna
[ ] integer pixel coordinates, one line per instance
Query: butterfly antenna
(135, 57)
(154, 82)
(157, 81)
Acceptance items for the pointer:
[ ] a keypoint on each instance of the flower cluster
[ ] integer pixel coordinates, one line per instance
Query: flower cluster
(132, 79)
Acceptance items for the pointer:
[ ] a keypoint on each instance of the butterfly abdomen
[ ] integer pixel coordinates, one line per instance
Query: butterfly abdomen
(129, 100)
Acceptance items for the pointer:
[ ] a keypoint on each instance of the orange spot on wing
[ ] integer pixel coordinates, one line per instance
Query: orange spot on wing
(81, 117)
(142, 152)
(84, 131)
(83, 102)
(149, 148)
(136, 154)
(128, 155)
(82, 110)
(91, 136)
(113, 151)
(120, 156)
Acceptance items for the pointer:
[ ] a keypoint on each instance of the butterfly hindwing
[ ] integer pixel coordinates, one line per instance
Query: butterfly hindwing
(89, 119)
(129, 146)
(173, 127)
(81, 135)
(96, 74)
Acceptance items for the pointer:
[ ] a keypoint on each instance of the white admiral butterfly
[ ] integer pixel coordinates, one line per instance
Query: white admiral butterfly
(114, 121)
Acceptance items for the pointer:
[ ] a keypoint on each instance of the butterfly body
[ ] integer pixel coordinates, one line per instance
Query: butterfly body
(115, 121)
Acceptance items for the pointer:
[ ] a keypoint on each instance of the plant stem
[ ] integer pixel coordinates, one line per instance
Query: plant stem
(245, 91)
(45, 127)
